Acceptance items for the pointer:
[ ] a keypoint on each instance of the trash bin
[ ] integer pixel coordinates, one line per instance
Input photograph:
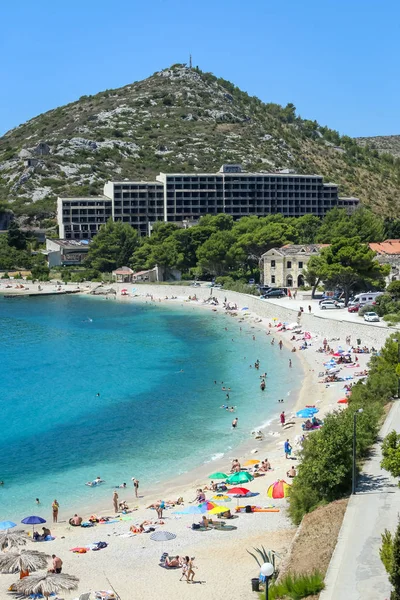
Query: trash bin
(255, 585)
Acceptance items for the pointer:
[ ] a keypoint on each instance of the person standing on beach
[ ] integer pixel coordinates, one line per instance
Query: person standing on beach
(115, 501)
(190, 571)
(290, 362)
(283, 418)
(136, 486)
(280, 344)
(55, 506)
(234, 423)
(288, 449)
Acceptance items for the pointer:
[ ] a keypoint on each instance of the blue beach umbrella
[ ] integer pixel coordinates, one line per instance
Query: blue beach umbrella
(7, 525)
(306, 413)
(189, 510)
(33, 520)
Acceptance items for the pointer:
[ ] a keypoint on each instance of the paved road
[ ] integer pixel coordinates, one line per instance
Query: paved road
(339, 314)
(355, 571)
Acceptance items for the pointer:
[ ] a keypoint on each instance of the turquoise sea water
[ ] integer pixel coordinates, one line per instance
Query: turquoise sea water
(151, 420)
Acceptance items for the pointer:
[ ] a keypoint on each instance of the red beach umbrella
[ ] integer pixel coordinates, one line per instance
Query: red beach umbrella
(238, 491)
(343, 401)
(279, 489)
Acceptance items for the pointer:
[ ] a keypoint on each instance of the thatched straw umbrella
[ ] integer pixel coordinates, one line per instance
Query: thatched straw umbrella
(22, 561)
(46, 584)
(13, 539)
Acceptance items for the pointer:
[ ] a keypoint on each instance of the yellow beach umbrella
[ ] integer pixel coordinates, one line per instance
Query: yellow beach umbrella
(218, 510)
(279, 489)
(221, 498)
(250, 462)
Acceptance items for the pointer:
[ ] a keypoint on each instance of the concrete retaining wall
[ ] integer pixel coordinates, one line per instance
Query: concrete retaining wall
(370, 335)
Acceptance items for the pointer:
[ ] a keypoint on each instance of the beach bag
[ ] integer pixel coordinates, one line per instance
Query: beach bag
(248, 509)
(195, 526)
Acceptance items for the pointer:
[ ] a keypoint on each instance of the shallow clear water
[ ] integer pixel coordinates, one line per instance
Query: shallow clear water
(151, 420)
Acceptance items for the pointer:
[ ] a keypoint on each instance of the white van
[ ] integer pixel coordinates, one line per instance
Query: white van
(365, 298)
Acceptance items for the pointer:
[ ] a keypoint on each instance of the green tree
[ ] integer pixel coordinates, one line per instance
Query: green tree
(394, 289)
(391, 454)
(306, 228)
(346, 263)
(112, 247)
(362, 223)
(395, 573)
(15, 237)
(215, 254)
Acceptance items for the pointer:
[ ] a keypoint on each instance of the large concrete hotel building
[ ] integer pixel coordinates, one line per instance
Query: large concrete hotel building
(183, 197)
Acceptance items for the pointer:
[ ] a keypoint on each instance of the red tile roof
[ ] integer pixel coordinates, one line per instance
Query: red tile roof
(386, 247)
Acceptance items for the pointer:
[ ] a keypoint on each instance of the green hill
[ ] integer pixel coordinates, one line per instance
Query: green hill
(179, 119)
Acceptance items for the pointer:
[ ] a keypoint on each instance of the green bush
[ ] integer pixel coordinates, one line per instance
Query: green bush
(392, 318)
(297, 586)
(386, 551)
(366, 308)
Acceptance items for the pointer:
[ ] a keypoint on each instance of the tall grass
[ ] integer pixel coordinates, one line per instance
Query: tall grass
(296, 587)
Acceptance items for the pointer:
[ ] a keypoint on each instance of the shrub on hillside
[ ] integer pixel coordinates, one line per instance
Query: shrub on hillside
(297, 586)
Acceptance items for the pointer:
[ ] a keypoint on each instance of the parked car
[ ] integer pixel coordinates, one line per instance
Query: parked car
(329, 304)
(371, 316)
(195, 284)
(353, 308)
(273, 294)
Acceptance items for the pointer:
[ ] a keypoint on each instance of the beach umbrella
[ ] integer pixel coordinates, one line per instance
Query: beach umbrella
(241, 477)
(22, 561)
(278, 489)
(218, 510)
(238, 491)
(207, 505)
(343, 401)
(7, 525)
(221, 498)
(218, 475)
(46, 584)
(13, 539)
(162, 536)
(33, 520)
(190, 510)
(250, 462)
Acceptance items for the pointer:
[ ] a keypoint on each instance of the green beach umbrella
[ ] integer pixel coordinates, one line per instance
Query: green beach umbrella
(218, 475)
(241, 477)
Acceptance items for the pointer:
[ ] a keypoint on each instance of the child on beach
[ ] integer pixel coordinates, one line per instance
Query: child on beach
(287, 449)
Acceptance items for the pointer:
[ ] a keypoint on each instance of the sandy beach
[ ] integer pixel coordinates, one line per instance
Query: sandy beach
(131, 563)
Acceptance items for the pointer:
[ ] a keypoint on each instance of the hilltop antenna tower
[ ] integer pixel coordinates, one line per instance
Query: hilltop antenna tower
(190, 61)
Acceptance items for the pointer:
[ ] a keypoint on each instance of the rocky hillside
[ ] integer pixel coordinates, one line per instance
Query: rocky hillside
(179, 119)
(382, 143)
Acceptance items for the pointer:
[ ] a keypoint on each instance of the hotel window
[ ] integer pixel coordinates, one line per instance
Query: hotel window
(300, 264)
(272, 278)
(272, 264)
(289, 264)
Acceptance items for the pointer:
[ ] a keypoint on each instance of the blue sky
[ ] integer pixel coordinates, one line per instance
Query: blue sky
(336, 60)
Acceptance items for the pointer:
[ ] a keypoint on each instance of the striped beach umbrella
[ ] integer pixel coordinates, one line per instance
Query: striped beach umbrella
(279, 489)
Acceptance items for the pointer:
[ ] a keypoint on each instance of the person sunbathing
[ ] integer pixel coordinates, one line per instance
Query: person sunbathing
(75, 521)
(173, 562)
(291, 472)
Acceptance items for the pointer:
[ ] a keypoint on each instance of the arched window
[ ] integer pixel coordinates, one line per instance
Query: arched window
(289, 281)
(300, 281)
